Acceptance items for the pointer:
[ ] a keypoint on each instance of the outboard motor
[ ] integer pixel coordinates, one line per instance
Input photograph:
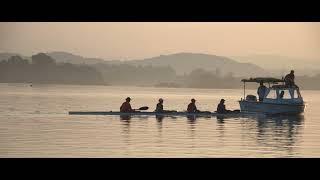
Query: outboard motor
(251, 98)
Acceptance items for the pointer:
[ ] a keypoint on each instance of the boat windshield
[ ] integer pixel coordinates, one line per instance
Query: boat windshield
(288, 93)
(272, 94)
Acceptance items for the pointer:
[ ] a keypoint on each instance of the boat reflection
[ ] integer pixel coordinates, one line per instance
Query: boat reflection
(191, 119)
(125, 117)
(277, 132)
(160, 117)
(125, 122)
(220, 119)
(269, 133)
(220, 125)
(280, 133)
(159, 122)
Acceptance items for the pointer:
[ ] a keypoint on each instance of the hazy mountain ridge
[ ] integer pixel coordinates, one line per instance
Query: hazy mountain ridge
(60, 57)
(186, 62)
(5, 56)
(73, 59)
(181, 62)
(157, 71)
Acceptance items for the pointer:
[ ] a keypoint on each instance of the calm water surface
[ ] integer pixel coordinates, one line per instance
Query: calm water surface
(34, 122)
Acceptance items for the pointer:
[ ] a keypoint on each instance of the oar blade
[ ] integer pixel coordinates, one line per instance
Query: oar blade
(144, 108)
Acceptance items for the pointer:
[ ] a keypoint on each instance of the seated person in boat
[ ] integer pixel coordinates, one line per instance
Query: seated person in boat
(192, 108)
(221, 109)
(261, 91)
(159, 107)
(281, 95)
(289, 79)
(126, 107)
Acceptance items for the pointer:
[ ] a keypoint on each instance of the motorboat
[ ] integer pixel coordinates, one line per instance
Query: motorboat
(290, 102)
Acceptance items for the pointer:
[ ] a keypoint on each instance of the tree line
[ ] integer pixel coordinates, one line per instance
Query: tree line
(44, 69)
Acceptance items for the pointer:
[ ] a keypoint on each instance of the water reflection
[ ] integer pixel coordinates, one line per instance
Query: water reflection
(125, 117)
(279, 132)
(159, 117)
(159, 122)
(269, 133)
(192, 120)
(220, 119)
(125, 122)
(220, 127)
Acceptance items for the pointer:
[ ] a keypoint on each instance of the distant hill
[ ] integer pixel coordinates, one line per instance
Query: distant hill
(73, 59)
(60, 57)
(5, 56)
(186, 62)
(180, 62)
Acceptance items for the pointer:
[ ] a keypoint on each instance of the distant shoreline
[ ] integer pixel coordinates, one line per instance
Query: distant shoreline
(139, 86)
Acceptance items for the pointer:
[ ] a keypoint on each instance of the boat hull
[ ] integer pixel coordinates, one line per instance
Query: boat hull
(271, 108)
(206, 114)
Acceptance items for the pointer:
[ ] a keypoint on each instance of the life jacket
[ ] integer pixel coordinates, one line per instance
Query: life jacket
(159, 108)
(192, 108)
(221, 108)
(125, 107)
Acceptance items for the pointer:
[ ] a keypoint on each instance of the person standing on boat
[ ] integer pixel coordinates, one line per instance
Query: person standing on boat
(221, 109)
(126, 106)
(159, 107)
(261, 91)
(192, 108)
(289, 79)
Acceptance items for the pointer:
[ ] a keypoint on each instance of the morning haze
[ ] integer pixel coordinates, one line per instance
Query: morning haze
(159, 90)
(158, 54)
(142, 40)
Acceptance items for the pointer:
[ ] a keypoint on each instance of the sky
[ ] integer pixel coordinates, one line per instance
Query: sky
(135, 40)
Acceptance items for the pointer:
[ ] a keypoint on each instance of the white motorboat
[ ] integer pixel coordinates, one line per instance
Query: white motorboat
(272, 103)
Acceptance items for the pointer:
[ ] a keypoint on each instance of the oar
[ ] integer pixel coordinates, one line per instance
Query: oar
(143, 108)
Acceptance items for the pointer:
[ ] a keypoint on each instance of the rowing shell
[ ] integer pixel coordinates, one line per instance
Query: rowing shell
(206, 114)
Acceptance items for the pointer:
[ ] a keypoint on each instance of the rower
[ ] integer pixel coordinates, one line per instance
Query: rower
(192, 108)
(221, 109)
(159, 107)
(126, 107)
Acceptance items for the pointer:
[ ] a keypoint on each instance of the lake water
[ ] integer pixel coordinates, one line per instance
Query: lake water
(34, 122)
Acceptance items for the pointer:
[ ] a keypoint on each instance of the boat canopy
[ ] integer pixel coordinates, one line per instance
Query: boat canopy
(263, 79)
(283, 87)
(259, 80)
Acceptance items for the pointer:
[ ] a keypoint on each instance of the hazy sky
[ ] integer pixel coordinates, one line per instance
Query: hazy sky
(140, 40)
